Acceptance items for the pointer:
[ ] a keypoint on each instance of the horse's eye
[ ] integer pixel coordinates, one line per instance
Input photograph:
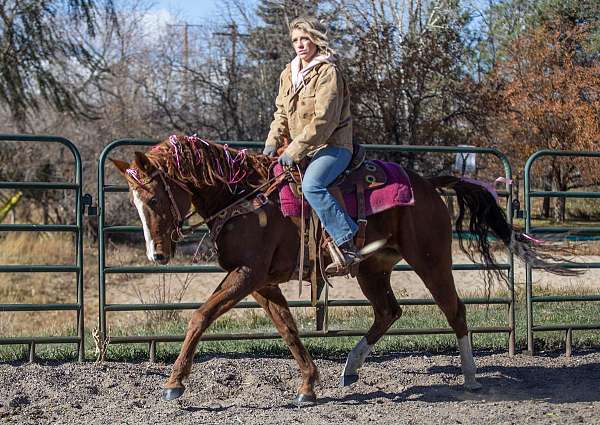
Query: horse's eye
(152, 202)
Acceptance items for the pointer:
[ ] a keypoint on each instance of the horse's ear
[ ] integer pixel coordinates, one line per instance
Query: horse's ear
(122, 166)
(143, 163)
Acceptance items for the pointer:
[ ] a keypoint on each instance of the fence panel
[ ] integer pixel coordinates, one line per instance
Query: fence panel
(321, 323)
(75, 229)
(532, 299)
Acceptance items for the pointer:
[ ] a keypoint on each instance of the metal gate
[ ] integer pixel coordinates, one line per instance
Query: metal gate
(74, 228)
(531, 298)
(321, 311)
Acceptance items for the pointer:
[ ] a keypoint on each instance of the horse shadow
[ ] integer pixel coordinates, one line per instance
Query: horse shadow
(573, 383)
(557, 385)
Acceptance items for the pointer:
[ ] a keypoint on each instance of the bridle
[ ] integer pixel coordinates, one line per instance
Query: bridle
(177, 216)
(178, 233)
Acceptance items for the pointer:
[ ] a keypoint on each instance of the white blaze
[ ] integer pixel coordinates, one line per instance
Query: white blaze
(149, 242)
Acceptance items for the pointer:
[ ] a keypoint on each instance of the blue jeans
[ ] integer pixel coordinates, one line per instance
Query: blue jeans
(326, 165)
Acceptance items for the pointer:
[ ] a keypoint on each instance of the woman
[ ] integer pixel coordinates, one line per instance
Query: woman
(313, 111)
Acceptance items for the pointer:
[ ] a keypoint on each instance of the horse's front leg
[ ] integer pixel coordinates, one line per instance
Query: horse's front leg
(238, 284)
(276, 306)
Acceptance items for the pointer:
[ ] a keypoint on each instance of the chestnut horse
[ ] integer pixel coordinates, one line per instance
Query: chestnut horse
(260, 250)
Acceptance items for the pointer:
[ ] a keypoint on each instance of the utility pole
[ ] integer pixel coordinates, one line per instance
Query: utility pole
(233, 75)
(186, 55)
(234, 34)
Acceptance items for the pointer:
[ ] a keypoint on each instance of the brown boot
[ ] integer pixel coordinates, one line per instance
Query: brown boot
(343, 258)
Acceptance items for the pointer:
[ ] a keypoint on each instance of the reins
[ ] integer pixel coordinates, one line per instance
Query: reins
(178, 228)
(272, 184)
(302, 231)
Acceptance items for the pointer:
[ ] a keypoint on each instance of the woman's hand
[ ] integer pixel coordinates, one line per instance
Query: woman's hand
(270, 150)
(285, 160)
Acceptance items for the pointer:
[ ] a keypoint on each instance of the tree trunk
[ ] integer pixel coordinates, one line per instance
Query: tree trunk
(559, 210)
(546, 207)
(547, 185)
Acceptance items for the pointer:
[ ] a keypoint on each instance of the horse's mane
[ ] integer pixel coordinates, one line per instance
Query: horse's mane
(190, 159)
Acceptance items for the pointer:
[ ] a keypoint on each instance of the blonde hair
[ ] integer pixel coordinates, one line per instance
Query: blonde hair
(317, 32)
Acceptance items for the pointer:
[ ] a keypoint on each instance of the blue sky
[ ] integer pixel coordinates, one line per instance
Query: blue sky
(189, 10)
(195, 11)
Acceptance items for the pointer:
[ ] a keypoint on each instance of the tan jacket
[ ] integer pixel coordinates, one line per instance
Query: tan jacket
(315, 114)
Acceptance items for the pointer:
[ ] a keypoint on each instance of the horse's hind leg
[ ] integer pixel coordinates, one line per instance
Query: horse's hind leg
(276, 307)
(374, 280)
(440, 282)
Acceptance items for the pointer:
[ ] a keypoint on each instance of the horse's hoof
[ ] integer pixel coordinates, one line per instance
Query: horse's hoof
(169, 394)
(305, 400)
(348, 380)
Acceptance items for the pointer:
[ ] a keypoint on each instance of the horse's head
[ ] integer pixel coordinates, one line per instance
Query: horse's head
(161, 203)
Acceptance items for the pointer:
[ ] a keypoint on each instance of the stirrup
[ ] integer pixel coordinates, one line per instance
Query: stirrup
(341, 264)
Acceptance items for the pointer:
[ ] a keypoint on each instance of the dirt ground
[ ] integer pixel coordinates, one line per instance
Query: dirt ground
(403, 389)
(406, 388)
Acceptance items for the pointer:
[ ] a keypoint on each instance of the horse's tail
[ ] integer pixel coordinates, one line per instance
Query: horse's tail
(484, 216)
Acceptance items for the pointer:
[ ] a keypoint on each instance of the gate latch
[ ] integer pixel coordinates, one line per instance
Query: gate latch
(87, 203)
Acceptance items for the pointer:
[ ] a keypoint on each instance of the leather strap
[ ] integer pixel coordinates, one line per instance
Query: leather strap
(313, 254)
(362, 216)
(256, 197)
(302, 231)
(241, 208)
(360, 201)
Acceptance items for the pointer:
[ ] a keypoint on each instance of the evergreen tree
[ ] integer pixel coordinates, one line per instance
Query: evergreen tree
(37, 46)
(504, 21)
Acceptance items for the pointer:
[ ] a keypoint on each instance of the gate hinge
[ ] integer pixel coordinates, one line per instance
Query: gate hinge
(88, 206)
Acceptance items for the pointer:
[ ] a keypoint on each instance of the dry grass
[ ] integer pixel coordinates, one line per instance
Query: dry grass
(54, 248)
(36, 248)
(46, 288)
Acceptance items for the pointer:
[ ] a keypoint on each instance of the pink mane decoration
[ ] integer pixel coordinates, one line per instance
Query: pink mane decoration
(133, 173)
(236, 170)
(229, 168)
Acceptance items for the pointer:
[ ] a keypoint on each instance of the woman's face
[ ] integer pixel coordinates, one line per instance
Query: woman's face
(303, 45)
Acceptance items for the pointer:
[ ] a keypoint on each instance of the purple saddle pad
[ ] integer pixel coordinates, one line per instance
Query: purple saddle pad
(396, 192)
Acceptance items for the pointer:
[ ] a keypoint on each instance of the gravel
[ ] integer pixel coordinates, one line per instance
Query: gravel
(402, 388)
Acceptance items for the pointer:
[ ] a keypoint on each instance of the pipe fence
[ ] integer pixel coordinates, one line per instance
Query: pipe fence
(75, 228)
(322, 328)
(531, 298)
